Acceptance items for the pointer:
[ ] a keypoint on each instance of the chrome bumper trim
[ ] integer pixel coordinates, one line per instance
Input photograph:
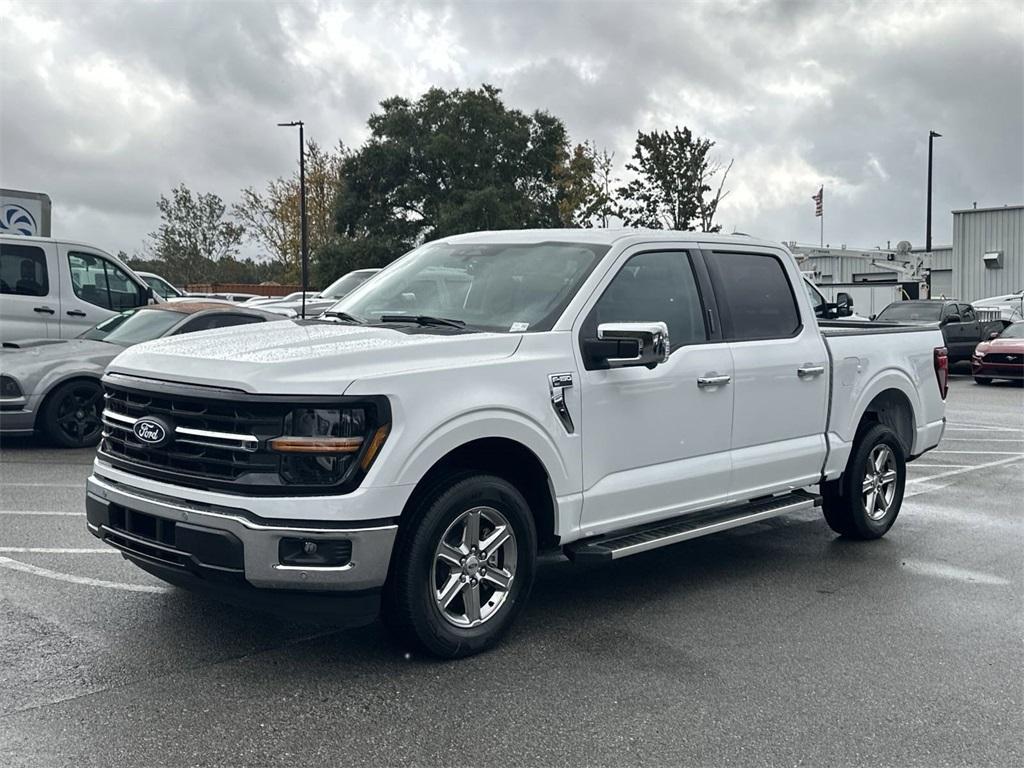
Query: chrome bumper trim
(371, 546)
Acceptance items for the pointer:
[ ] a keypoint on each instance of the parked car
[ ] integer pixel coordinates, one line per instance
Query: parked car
(161, 287)
(52, 386)
(234, 298)
(294, 296)
(56, 289)
(329, 296)
(960, 326)
(599, 392)
(1001, 357)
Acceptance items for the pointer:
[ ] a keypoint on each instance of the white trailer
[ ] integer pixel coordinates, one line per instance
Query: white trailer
(24, 213)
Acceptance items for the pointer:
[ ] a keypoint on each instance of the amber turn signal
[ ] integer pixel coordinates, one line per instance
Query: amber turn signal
(316, 444)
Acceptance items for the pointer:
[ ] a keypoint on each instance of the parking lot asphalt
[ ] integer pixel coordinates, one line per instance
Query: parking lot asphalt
(774, 644)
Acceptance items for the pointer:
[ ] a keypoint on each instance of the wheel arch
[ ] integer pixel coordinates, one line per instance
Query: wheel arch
(506, 458)
(893, 408)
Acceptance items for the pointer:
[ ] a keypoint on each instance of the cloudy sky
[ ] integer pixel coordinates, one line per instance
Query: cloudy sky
(106, 106)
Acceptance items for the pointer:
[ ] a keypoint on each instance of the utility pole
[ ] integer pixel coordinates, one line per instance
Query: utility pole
(302, 209)
(932, 135)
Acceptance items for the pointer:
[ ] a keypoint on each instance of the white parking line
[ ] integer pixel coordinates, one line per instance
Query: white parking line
(945, 571)
(983, 439)
(980, 428)
(919, 465)
(16, 565)
(44, 485)
(985, 453)
(962, 469)
(40, 513)
(58, 551)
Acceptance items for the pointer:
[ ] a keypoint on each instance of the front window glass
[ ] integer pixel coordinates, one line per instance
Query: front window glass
(102, 282)
(913, 311)
(817, 300)
(650, 288)
(508, 287)
(23, 270)
(1015, 331)
(134, 326)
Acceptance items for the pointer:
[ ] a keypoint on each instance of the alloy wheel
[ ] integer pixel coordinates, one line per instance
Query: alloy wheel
(78, 413)
(879, 485)
(474, 567)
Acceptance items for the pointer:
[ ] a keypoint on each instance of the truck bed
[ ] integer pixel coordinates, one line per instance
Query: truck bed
(856, 328)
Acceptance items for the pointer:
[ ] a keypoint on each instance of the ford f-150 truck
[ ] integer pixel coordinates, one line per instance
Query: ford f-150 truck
(495, 395)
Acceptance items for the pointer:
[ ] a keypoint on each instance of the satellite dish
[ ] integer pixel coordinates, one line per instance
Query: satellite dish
(903, 247)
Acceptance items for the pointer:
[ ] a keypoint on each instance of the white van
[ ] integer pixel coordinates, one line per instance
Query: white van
(57, 288)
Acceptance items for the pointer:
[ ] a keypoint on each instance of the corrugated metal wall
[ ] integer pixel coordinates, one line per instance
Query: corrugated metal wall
(976, 232)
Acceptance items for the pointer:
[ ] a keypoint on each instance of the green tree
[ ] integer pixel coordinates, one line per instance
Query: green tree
(586, 187)
(671, 184)
(449, 162)
(271, 217)
(193, 234)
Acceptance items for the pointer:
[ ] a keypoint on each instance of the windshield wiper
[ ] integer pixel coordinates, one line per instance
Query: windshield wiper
(423, 320)
(345, 317)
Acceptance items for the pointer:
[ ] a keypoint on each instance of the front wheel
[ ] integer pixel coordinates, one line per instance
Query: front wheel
(864, 502)
(982, 380)
(462, 567)
(71, 417)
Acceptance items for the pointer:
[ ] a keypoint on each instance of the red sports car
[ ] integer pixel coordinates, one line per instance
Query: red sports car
(1001, 357)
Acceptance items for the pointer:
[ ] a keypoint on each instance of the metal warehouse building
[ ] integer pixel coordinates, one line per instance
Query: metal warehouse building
(985, 259)
(988, 251)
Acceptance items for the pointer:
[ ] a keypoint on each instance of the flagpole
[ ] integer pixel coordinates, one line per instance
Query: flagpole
(822, 217)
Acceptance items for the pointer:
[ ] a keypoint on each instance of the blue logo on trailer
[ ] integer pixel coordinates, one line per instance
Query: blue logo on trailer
(15, 219)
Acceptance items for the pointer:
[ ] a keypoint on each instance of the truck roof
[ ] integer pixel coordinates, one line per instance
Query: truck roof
(603, 236)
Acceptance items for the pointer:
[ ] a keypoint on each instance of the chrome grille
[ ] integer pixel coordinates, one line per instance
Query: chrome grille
(211, 439)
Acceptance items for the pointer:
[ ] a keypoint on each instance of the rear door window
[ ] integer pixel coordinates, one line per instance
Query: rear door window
(755, 295)
(23, 270)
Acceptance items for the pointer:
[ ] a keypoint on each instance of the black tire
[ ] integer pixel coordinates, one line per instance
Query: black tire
(982, 380)
(410, 609)
(844, 501)
(71, 415)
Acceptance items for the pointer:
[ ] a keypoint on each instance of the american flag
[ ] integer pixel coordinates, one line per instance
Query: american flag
(818, 201)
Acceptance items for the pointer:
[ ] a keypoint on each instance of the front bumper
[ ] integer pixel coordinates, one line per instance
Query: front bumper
(17, 415)
(988, 369)
(217, 544)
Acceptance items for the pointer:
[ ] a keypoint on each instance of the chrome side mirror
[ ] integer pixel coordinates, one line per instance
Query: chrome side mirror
(650, 340)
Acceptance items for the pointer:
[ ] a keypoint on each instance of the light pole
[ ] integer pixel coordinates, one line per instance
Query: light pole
(302, 208)
(932, 135)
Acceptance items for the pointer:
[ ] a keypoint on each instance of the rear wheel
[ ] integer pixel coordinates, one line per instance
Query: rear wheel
(462, 567)
(864, 502)
(71, 416)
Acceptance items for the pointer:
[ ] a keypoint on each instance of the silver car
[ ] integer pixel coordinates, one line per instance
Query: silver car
(52, 387)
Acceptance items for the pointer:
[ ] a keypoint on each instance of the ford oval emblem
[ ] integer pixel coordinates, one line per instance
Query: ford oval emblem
(152, 431)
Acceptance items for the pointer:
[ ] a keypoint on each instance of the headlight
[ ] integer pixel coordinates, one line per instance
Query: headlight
(9, 387)
(321, 446)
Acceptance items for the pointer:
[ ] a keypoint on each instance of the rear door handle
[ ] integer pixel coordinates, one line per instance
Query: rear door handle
(76, 313)
(712, 381)
(43, 310)
(806, 371)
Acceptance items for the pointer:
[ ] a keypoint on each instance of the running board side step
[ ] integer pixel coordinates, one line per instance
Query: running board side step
(614, 546)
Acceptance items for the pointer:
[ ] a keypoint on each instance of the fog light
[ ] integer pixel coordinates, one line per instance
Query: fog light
(322, 553)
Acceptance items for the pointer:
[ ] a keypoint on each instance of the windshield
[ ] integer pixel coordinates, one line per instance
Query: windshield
(343, 286)
(133, 326)
(510, 288)
(919, 311)
(1015, 331)
(161, 287)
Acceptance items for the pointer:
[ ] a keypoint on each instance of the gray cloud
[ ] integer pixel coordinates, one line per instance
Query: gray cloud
(106, 106)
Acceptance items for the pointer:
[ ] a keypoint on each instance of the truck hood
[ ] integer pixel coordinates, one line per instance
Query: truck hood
(306, 357)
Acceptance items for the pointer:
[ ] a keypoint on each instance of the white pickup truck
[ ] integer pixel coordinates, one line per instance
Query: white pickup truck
(491, 396)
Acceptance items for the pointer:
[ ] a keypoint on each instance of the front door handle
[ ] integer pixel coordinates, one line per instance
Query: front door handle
(806, 371)
(76, 313)
(712, 381)
(43, 310)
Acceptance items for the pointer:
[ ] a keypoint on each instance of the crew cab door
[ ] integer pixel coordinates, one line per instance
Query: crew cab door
(655, 442)
(781, 379)
(29, 290)
(93, 288)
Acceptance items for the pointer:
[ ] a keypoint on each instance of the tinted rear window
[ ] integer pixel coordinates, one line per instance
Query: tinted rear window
(756, 296)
